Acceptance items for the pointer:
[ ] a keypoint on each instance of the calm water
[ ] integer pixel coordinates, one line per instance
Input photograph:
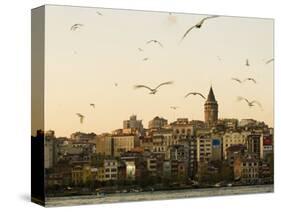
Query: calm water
(157, 195)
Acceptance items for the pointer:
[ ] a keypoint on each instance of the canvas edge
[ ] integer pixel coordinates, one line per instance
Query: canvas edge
(37, 105)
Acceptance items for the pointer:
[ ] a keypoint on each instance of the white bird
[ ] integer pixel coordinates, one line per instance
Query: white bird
(236, 79)
(195, 93)
(92, 105)
(76, 26)
(174, 107)
(269, 61)
(250, 79)
(250, 103)
(153, 90)
(99, 13)
(81, 117)
(154, 41)
(198, 25)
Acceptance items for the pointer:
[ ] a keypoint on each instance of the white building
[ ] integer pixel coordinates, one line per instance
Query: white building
(182, 128)
(130, 170)
(161, 140)
(204, 148)
(245, 122)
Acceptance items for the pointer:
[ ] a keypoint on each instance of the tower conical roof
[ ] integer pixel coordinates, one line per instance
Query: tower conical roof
(211, 96)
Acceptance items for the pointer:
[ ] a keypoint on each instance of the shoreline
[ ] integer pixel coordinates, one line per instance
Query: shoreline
(158, 195)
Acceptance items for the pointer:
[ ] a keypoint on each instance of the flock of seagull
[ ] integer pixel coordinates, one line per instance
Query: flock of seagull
(81, 116)
(240, 81)
(154, 90)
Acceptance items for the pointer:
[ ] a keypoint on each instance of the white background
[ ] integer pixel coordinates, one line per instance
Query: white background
(15, 103)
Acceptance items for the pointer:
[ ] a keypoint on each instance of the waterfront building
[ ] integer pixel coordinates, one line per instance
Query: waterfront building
(110, 170)
(130, 170)
(81, 174)
(249, 170)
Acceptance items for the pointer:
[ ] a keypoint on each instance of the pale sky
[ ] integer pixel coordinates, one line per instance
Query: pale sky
(82, 66)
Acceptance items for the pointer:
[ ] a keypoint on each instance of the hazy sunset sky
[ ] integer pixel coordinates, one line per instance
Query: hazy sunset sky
(82, 66)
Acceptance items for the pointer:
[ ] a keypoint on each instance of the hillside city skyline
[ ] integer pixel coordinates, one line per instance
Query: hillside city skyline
(185, 154)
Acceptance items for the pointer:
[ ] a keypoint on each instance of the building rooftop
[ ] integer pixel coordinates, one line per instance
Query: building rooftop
(211, 96)
(235, 148)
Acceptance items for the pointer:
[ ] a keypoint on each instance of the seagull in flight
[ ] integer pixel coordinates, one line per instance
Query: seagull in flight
(153, 90)
(174, 107)
(76, 26)
(250, 103)
(236, 79)
(198, 25)
(195, 93)
(92, 105)
(154, 41)
(247, 63)
(81, 117)
(99, 13)
(269, 61)
(250, 79)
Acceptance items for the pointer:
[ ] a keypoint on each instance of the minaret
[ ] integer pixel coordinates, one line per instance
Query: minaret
(211, 109)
